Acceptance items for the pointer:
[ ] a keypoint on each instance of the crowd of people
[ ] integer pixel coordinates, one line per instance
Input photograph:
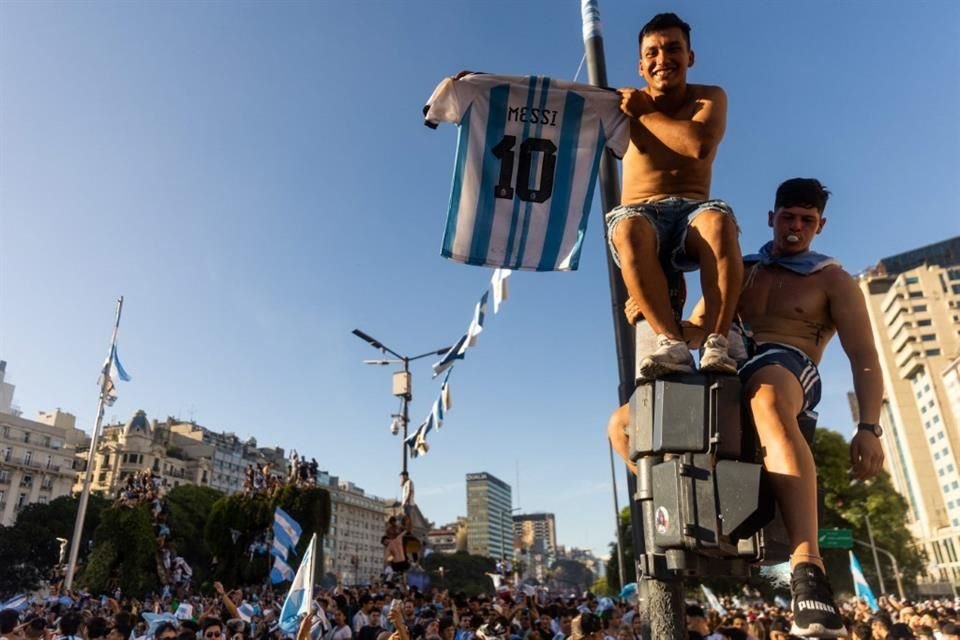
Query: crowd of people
(393, 611)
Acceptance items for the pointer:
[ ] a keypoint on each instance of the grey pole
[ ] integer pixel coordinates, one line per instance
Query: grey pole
(85, 493)
(876, 559)
(893, 561)
(661, 601)
(406, 412)
(616, 515)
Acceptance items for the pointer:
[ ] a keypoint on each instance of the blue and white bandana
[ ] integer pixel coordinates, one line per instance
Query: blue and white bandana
(803, 263)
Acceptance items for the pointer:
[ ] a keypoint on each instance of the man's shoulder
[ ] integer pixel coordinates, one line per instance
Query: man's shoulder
(707, 91)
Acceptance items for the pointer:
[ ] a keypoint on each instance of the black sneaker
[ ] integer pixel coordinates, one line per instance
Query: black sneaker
(815, 613)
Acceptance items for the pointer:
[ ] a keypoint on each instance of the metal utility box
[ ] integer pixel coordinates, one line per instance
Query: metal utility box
(401, 384)
(684, 413)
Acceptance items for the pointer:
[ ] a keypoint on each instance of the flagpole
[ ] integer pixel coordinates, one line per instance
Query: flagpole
(85, 493)
(662, 609)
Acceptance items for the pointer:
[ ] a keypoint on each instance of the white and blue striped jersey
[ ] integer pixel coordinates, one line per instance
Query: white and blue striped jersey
(527, 157)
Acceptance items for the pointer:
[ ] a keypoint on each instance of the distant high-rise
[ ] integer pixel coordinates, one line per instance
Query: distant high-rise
(489, 516)
(913, 301)
(536, 533)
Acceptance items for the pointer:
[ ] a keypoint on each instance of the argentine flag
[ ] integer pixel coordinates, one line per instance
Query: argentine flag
(281, 571)
(278, 548)
(111, 373)
(299, 599)
(860, 583)
(286, 529)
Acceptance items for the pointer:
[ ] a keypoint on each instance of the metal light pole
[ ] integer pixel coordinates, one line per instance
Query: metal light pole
(402, 380)
(662, 610)
(893, 561)
(876, 560)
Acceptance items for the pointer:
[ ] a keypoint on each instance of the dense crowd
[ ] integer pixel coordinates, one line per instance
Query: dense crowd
(391, 611)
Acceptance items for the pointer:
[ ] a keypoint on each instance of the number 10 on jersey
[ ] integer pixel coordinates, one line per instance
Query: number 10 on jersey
(504, 151)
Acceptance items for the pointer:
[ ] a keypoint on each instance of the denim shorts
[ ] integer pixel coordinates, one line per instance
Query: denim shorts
(793, 360)
(670, 218)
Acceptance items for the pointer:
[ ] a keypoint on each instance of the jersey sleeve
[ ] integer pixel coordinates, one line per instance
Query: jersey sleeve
(616, 126)
(448, 102)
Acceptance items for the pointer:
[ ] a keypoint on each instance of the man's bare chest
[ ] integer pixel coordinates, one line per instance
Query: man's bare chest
(772, 291)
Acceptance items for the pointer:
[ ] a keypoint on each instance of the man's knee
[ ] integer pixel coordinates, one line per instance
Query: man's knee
(633, 235)
(716, 228)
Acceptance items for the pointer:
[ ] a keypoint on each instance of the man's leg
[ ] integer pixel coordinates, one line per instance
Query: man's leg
(635, 241)
(617, 430)
(712, 241)
(776, 398)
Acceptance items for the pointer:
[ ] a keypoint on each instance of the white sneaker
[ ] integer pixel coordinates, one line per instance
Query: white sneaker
(671, 356)
(715, 358)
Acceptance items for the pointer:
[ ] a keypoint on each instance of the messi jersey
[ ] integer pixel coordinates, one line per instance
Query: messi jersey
(527, 158)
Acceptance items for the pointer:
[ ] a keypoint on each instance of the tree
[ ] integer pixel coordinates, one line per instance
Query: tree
(124, 552)
(29, 549)
(238, 521)
(188, 508)
(846, 504)
(613, 564)
(461, 572)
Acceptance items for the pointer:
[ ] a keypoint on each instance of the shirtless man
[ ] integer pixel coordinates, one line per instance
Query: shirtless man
(665, 214)
(793, 302)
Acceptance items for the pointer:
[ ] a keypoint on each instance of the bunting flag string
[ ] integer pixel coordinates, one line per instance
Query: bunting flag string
(417, 441)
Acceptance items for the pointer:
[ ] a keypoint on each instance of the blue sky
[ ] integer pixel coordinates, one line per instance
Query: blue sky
(256, 180)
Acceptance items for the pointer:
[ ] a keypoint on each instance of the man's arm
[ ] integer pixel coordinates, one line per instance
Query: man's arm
(695, 138)
(849, 313)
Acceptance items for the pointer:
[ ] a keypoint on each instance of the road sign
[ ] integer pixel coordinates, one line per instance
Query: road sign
(835, 538)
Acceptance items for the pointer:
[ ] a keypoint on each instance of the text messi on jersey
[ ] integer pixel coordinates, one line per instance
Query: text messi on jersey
(533, 115)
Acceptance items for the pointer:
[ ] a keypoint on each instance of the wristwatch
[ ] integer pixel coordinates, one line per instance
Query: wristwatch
(875, 429)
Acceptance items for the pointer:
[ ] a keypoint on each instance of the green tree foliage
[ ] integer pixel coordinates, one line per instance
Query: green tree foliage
(29, 548)
(248, 518)
(601, 588)
(613, 564)
(846, 504)
(461, 572)
(124, 552)
(188, 507)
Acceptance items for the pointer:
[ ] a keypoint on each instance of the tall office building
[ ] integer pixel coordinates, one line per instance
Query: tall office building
(536, 539)
(913, 300)
(489, 516)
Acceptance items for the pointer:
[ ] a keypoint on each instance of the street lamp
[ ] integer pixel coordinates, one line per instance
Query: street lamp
(402, 380)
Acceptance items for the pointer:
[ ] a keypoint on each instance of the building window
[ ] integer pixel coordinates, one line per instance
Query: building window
(920, 308)
(955, 484)
(27, 457)
(929, 337)
(942, 472)
(916, 294)
(932, 352)
(924, 323)
(936, 419)
(936, 456)
(955, 288)
(912, 280)
(939, 435)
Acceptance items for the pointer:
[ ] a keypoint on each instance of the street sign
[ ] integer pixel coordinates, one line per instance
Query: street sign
(835, 538)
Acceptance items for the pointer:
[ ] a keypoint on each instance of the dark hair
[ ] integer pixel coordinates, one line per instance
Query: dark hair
(97, 627)
(70, 623)
(589, 623)
(802, 192)
(210, 621)
(8, 620)
(662, 22)
(163, 626)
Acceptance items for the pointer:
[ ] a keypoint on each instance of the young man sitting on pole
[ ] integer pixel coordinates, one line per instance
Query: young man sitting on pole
(666, 219)
(793, 302)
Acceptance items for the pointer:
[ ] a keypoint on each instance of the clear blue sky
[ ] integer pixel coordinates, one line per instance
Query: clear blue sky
(255, 178)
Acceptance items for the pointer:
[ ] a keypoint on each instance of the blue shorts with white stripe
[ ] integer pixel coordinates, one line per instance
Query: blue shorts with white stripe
(793, 360)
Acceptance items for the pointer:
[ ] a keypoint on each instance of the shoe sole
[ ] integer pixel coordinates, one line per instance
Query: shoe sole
(818, 631)
(719, 368)
(651, 369)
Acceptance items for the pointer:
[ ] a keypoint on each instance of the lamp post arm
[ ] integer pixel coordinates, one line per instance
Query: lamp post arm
(893, 561)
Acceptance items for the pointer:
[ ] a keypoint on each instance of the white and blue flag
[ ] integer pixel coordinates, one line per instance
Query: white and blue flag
(281, 571)
(712, 600)
(299, 599)
(528, 152)
(498, 284)
(110, 375)
(453, 354)
(286, 528)
(278, 548)
(860, 583)
(19, 602)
